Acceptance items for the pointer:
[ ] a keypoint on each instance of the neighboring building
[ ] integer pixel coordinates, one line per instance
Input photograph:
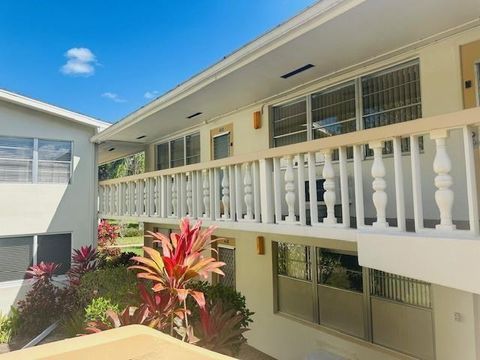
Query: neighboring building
(47, 188)
(386, 262)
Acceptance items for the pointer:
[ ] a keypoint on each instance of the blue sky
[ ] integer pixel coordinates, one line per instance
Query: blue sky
(106, 58)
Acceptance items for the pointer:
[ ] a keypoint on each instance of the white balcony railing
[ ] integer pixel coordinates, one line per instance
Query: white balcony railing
(431, 188)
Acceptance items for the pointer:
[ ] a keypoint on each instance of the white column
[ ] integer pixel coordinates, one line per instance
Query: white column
(344, 195)
(206, 193)
(416, 183)
(247, 190)
(329, 197)
(443, 181)
(277, 191)
(290, 190)
(225, 193)
(379, 185)
(399, 189)
(266, 191)
(358, 179)
(188, 189)
(471, 180)
(302, 211)
(238, 192)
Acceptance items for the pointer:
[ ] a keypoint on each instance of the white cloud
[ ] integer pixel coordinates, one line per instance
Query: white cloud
(114, 97)
(150, 94)
(80, 62)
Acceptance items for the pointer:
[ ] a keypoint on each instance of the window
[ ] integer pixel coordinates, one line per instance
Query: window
(16, 160)
(339, 270)
(386, 97)
(221, 146)
(333, 112)
(289, 123)
(179, 152)
(227, 255)
(55, 248)
(26, 160)
(17, 254)
(54, 161)
(294, 261)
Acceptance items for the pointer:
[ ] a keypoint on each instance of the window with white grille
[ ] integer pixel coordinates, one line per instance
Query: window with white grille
(386, 97)
(181, 151)
(28, 160)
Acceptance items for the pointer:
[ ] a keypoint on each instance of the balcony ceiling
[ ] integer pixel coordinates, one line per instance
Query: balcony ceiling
(332, 35)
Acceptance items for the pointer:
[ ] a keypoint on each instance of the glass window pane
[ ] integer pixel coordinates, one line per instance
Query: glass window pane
(54, 150)
(16, 160)
(55, 248)
(333, 112)
(221, 146)
(177, 153)
(193, 148)
(163, 161)
(339, 270)
(294, 261)
(289, 123)
(16, 256)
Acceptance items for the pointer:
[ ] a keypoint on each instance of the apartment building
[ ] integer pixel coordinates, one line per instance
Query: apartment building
(47, 188)
(338, 156)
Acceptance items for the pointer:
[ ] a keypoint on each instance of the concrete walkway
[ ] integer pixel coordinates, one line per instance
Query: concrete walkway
(249, 353)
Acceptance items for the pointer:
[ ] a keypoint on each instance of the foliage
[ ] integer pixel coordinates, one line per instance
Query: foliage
(219, 330)
(8, 326)
(130, 165)
(228, 296)
(121, 260)
(107, 237)
(41, 306)
(83, 260)
(129, 316)
(118, 285)
(74, 323)
(97, 309)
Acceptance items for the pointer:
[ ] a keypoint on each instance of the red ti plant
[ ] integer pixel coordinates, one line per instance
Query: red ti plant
(83, 261)
(42, 272)
(107, 237)
(180, 262)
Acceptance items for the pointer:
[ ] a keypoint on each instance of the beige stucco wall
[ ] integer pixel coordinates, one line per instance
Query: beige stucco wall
(29, 209)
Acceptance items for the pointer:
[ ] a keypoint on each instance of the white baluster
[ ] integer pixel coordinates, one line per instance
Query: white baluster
(443, 181)
(206, 193)
(188, 189)
(247, 190)
(329, 196)
(290, 190)
(225, 193)
(174, 196)
(379, 185)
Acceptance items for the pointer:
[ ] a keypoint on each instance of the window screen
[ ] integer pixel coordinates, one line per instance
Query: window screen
(333, 112)
(55, 248)
(16, 159)
(227, 256)
(289, 123)
(294, 261)
(221, 146)
(192, 143)
(16, 256)
(392, 96)
(162, 156)
(177, 153)
(54, 161)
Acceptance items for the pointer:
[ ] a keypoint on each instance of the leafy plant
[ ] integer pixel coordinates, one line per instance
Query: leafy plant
(230, 298)
(115, 284)
(8, 326)
(180, 262)
(74, 323)
(124, 259)
(83, 260)
(129, 316)
(219, 330)
(107, 237)
(40, 307)
(97, 309)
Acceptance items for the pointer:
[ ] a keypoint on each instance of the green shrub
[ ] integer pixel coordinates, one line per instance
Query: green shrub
(97, 310)
(230, 298)
(116, 261)
(74, 323)
(8, 326)
(131, 232)
(118, 285)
